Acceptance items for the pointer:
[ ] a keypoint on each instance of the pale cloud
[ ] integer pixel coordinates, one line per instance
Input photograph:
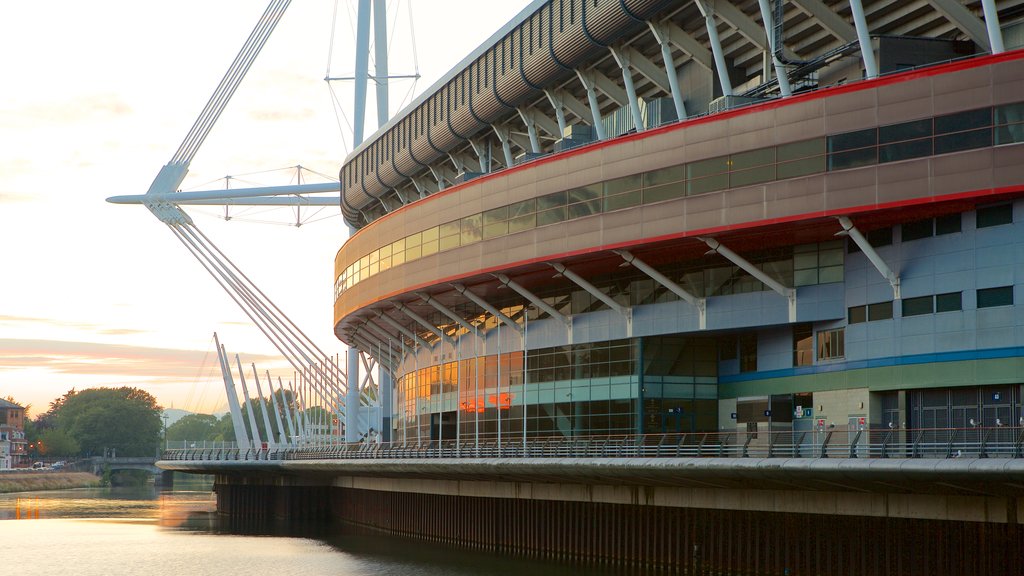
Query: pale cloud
(281, 115)
(70, 111)
(115, 360)
(57, 323)
(12, 197)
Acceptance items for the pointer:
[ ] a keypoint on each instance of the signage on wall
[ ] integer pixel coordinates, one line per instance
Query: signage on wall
(732, 415)
(768, 413)
(996, 396)
(807, 412)
(798, 411)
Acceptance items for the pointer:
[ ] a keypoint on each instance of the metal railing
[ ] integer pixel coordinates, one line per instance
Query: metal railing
(976, 442)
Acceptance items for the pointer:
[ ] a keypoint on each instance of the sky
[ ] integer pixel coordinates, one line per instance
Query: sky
(94, 98)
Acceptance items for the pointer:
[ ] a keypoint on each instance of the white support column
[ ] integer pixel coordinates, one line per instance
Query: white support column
(352, 395)
(579, 281)
(254, 431)
(995, 33)
(282, 437)
(536, 301)
(661, 35)
(448, 312)
(595, 110)
(556, 103)
(769, 30)
(293, 432)
(716, 47)
(487, 306)
(867, 50)
(506, 146)
(402, 329)
(241, 438)
(263, 409)
(481, 153)
(699, 303)
(622, 59)
(422, 322)
(531, 129)
(871, 253)
(776, 286)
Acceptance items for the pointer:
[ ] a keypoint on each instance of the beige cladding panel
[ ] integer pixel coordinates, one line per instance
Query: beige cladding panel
(903, 180)
(965, 171)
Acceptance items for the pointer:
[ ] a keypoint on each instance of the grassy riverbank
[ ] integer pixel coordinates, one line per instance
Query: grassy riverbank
(30, 481)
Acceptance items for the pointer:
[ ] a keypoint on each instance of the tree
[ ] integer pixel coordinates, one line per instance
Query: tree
(57, 443)
(193, 427)
(123, 419)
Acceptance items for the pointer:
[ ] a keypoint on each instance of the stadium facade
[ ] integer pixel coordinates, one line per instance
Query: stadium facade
(639, 216)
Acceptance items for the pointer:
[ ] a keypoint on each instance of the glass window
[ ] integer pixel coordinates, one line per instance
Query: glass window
(471, 229)
(1010, 123)
(664, 176)
(917, 306)
(857, 314)
(803, 345)
(413, 240)
(587, 208)
(995, 215)
(905, 150)
(880, 311)
(707, 184)
(796, 168)
(624, 200)
(804, 149)
(664, 192)
(521, 208)
(963, 121)
(905, 131)
(831, 344)
(949, 224)
(622, 184)
(521, 223)
(551, 200)
(499, 214)
(752, 176)
(963, 141)
(948, 302)
(916, 230)
(989, 297)
(748, 352)
(585, 193)
(551, 216)
(707, 167)
(853, 140)
(752, 159)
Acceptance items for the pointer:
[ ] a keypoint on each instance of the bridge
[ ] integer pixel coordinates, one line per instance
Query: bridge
(100, 463)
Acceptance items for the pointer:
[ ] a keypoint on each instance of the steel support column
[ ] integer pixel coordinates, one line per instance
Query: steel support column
(579, 281)
(699, 303)
(661, 35)
(556, 103)
(769, 29)
(867, 50)
(487, 306)
(403, 330)
(775, 285)
(531, 129)
(506, 145)
(871, 253)
(448, 312)
(716, 47)
(595, 109)
(995, 33)
(622, 59)
(422, 322)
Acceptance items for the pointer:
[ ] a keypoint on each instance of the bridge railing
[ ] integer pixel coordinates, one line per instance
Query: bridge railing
(975, 442)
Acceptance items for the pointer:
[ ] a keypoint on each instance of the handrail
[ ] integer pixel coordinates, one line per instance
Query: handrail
(972, 442)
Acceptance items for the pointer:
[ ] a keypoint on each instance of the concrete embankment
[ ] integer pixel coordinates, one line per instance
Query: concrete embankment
(31, 481)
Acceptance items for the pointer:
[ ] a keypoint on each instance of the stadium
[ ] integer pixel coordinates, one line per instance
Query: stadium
(621, 217)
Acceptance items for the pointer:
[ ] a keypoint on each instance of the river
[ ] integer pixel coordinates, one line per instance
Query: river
(145, 531)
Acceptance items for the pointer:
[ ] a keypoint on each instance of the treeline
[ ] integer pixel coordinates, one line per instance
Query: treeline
(280, 412)
(95, 422)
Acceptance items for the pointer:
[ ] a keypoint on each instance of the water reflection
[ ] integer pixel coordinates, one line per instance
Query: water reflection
(102, 531)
